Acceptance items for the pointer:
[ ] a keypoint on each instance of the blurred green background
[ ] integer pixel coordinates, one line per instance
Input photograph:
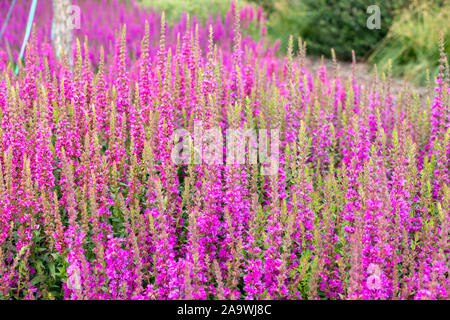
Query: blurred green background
(409, 33)
(200, 8)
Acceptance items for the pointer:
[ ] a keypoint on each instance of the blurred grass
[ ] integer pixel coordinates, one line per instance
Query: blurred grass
(413, 41)
(409, 34)
(326, 24)
(202, 9)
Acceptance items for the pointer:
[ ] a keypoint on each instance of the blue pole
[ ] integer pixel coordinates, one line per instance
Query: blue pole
(27, 31)
(53, 22)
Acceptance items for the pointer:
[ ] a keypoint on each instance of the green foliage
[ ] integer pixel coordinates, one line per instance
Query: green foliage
(326, 24)
(202, 9)
(411, 43)
(267, 5)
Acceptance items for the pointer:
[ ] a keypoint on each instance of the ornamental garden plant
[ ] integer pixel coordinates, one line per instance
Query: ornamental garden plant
(96, 204)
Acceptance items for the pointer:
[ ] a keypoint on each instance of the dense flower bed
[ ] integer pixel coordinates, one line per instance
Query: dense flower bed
(95, 203)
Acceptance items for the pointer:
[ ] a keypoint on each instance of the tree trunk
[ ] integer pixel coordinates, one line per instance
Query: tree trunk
(62, 28)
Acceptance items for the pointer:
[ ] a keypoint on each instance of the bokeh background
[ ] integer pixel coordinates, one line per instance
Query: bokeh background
(409, 33)
(408, 39)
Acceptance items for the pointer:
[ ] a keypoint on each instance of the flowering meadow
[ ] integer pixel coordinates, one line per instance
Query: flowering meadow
(93, 205)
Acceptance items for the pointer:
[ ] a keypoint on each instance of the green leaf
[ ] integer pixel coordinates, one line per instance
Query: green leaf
(35, 280)
(51, 266)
